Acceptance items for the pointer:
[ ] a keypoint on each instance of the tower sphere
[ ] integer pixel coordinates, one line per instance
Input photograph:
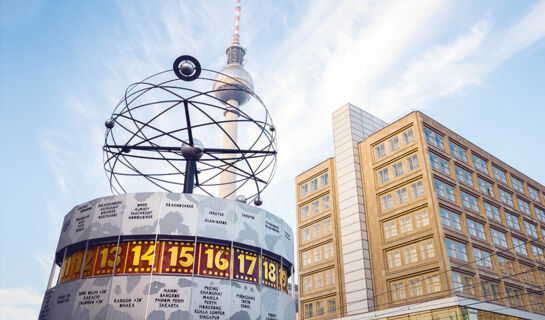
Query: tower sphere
(233, 83)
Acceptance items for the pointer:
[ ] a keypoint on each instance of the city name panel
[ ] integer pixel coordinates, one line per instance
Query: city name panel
(171, 256)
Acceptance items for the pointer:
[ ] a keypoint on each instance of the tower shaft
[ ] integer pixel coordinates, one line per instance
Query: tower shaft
(228, 177)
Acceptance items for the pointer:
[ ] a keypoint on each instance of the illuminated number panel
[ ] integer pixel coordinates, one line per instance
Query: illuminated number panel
(214, 260)
(269, 272)
(246, 265)
(140, 257)
(175, 257)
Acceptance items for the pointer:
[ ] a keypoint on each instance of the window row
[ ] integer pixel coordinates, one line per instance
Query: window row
(414, 287)
(436, 139)
(316, 230)
(410, 254)
(396, 169)
(491, 291)
(406, 224)
(324, 181)
(393, 143)
(319, 280)
(401, 195)
(321, 307)
(318, 254)
(315, 207)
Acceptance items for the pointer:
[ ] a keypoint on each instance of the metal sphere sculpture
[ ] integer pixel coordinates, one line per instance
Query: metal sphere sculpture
(168, 129)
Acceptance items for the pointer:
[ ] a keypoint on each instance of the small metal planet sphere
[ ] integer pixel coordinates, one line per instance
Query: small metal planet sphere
(187, 68)
(109, 123)
(241, 198)
(258, 201)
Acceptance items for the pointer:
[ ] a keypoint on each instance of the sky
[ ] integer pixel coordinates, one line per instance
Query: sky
(475, 66)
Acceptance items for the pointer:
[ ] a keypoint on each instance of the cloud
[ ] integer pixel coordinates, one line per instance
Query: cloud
(20, 303)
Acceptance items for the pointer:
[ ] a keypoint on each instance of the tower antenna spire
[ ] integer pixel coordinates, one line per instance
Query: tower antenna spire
(236, 36)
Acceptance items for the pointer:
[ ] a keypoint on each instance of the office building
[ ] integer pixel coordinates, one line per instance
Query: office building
(415, 221)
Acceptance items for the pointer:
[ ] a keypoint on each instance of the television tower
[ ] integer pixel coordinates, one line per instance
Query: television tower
(232, 86)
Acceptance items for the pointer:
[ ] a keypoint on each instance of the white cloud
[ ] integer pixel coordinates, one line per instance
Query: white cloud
(20, 303)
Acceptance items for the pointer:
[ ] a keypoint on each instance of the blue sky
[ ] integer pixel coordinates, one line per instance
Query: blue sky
(476, 67)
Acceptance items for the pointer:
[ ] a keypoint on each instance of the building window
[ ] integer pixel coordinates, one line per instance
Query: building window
(415, 287)
(313, 185)
(307, 258)
(537, 252)
(499, 175)
(417, 189)
(444, 190)
(426, 249)
(412, 162)
(463, 176)
(328, 251)
(534, 194)
(315, 206)
(383, 176)
(330, 277)
(421, 218)
(527, 273)
(517, 185)
(485, 187)
(512, 221)
(514, 296)
(308, 310)
(325, 202)
(318, 280)
(397, 169)
(306, 234)
(380, 151)
(324, 179)
(398, 290)
(390, 229)
(387, 201)
(439, 163)
(492, 211)
(450, 219)
(476, 229)
(410, 254)
(506, 266)
(491, 290)
(317, 254)
(432, 284)
(530, 229)
(505, 197)
(304, 212)
(469, 202)
(394, 259)
(482, 258)
(463, 283)
(316, 230)
(307, 283)
(480, 164)
(498, 238)
(304, 190)
(331, 305)
(394, 144)
(524, 207)
(458, 152)
(327, 226)
(536, 301)
(539, 214)
(401, 195)
(519, 246)
(433, 138)
(408, 136)
(406, 224)
(456, 250)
